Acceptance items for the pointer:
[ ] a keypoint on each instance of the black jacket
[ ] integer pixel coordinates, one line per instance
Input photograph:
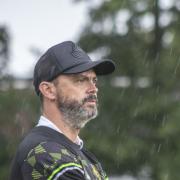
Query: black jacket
(47, 154)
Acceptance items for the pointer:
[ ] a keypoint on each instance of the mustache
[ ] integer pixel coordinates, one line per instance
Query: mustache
(90, 98)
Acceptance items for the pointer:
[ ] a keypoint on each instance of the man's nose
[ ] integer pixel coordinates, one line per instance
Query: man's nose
(92, 88)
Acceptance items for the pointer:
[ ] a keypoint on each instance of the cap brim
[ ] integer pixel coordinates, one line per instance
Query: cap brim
(101, 67)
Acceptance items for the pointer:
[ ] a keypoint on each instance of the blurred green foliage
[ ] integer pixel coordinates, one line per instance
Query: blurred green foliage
(4, 50)
(19, 111)
(138, 127)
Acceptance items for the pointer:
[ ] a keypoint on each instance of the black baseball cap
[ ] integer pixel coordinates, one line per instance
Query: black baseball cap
(67, 58)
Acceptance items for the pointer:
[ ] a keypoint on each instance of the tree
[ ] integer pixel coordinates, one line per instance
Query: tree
(19, 111)
(139, 124)
(4, 49)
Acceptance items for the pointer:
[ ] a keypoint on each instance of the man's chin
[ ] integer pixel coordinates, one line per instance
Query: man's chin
(82, 124)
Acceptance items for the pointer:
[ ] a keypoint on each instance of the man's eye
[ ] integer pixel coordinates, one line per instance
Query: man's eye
(95, 81)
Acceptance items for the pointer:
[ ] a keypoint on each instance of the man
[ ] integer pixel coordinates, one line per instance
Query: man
(65, 79)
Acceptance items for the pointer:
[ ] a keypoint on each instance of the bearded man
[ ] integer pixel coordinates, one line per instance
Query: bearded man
(65, 79)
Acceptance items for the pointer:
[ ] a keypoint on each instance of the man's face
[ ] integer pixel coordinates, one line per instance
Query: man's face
(76, 98)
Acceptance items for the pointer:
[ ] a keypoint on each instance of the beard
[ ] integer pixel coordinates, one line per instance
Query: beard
(75, 114)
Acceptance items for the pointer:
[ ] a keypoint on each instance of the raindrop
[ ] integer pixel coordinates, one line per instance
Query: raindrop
(118, 129)
(159, 148)
(177, 66)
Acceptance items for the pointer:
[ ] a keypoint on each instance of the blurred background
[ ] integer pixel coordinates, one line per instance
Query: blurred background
(136, 134)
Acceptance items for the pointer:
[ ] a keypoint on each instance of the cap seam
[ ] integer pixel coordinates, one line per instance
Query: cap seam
(56, 59)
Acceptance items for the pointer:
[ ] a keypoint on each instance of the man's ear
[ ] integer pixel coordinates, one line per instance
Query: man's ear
(48, 90)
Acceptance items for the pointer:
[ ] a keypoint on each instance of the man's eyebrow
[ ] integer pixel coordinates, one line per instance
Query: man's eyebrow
(75, 76)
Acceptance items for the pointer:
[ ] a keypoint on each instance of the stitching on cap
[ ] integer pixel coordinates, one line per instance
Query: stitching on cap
(56, 62)
(77, 52)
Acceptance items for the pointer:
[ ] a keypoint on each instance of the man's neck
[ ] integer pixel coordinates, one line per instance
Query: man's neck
(69, 132)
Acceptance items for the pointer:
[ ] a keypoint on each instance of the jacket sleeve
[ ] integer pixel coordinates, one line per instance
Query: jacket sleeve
(51, 161)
